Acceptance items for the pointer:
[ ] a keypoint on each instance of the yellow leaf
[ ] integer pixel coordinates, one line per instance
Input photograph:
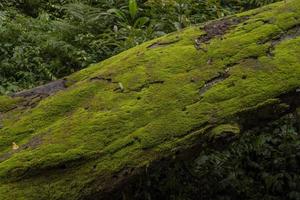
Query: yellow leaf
(15, 146)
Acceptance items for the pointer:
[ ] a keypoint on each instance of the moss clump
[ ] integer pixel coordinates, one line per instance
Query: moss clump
(93, 134)
(225, 130)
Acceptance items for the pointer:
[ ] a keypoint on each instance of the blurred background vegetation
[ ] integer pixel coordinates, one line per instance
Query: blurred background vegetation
(43, 40)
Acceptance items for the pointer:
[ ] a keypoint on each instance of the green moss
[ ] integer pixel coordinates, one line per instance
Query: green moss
(83, 135)
(225, 130)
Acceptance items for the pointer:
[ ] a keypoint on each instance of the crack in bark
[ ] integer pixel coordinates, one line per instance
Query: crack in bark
(147, 85)
(121, 88)
(101, 78)
(162, 43)
(217, 79)
(291, 33)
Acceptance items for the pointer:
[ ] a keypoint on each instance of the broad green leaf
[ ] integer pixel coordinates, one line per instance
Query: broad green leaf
(133, 8)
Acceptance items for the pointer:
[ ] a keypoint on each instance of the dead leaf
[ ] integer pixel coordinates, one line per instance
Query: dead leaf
(15, 146)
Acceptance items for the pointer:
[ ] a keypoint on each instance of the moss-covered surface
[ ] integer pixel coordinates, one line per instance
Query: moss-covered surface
(120, 115)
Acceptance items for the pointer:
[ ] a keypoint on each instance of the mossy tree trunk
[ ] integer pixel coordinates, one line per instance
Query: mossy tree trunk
(98, 129)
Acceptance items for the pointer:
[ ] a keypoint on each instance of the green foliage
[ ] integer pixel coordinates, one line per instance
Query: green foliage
(133, 8)
(262, 164)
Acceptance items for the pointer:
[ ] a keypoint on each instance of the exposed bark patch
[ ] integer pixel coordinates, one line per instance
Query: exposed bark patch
(31, 97)
(216, 29)
(44, 90)
(32, 101)
(33, 143)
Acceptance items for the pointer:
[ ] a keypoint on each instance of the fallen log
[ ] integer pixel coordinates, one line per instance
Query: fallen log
(166, 98)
